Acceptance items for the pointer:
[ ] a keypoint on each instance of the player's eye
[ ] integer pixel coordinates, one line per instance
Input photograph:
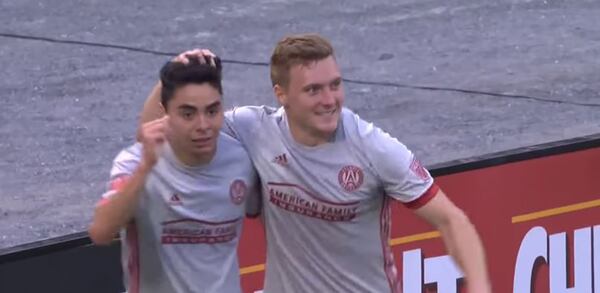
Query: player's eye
(213, 111)
(313, 90)
(187, 114)
(336, 84)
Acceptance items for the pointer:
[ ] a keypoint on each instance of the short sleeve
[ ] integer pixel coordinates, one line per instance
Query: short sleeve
(399, 171)
(123, 166)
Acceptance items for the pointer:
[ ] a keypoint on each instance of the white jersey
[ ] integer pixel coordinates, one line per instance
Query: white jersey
(326, 208)
(186, 229)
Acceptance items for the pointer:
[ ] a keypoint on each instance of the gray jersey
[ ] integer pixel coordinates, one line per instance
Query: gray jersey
(188, 221)
(327, 208)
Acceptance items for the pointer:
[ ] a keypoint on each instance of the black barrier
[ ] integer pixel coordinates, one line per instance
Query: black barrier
(72, 264)
(516, 155)
(66, 264)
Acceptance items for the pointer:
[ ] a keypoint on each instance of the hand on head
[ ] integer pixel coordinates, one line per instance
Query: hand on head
(203, 55)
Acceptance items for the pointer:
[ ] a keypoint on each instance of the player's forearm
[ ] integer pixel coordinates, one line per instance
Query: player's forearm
(465, 246)
(119, 209)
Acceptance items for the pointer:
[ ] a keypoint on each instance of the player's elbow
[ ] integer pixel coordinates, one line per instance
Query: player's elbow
(100, 236)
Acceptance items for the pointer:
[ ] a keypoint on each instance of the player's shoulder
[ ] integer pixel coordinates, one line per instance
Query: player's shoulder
(354, 126)
(254, 114)
(127, 160)
(231, 148)
(366, 134)
(228, 141)
(232, 158)
(132, 152)
(243, 122)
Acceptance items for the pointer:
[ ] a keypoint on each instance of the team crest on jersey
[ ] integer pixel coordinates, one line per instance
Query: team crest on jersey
(417, 168)
(237, 191)
(351, 178)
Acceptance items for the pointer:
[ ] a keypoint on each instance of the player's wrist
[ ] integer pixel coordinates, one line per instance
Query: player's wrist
(145, 167)
(483, 288)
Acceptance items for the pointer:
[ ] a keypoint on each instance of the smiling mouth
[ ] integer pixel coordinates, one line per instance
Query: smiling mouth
(326, 113)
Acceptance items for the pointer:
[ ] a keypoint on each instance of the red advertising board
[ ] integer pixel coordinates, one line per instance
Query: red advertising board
(539, 220)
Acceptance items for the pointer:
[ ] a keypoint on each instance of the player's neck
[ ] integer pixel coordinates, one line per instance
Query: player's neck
(193, 160)
(308, 138)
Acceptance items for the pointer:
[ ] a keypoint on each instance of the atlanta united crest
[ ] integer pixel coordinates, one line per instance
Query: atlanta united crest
(237, 191)
(350, 178)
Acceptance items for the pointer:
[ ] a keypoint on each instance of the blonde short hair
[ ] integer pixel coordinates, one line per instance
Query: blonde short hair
(297, 49)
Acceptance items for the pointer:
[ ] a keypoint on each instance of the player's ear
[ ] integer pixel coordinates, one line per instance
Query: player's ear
(280, 94)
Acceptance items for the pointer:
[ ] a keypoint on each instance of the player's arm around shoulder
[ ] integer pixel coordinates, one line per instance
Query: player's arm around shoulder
(460, 238)
(243, 122)
(152, 109)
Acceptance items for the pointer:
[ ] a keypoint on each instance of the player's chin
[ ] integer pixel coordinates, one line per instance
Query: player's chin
(203, 151)
(203, 148)
(327, 127)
